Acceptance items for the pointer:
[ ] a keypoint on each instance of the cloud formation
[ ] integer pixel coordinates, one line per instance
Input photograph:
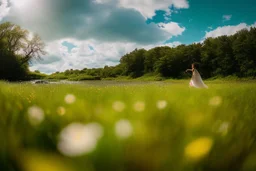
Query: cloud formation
(228, 30)
(4, 9)
(87, 54)
(96, 19)
(148, 7)
(101, 30)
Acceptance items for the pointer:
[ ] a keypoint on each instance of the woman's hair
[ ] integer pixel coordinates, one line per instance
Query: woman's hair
(195, 64)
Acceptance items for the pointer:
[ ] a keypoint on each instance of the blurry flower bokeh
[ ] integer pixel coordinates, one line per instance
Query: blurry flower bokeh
(78, 139)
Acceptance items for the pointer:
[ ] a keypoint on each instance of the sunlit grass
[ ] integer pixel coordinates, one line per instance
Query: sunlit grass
(128, 126)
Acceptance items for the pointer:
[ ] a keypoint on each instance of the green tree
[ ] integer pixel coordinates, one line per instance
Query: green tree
(169, 65)
(244, 47)
(16, 51)
(152, 56)
(134, 63)
(209, 57)
(33, 49)
(224, 56)
(10, 67)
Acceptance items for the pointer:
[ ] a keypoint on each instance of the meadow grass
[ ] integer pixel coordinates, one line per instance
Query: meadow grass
(128, 126)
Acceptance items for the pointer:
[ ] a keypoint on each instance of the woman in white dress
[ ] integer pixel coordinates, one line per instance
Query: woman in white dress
(196, 80)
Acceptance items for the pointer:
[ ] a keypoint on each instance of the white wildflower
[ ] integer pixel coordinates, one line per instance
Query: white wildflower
(161, 104)
(123, 129)
(70, 98)
(35, 115)
(78, 139)
(118, 106)
(139, 106)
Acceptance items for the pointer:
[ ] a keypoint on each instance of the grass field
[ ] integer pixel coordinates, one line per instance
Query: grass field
(128, 126)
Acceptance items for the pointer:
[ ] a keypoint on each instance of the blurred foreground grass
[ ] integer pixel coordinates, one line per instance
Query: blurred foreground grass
(147, 126)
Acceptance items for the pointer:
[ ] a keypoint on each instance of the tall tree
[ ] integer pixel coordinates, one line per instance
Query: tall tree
(244, 47)
(134, 63)
(15, 40)
(5, 28)
(33, 48)
(226, 65)
(16, 50)
(208, 56)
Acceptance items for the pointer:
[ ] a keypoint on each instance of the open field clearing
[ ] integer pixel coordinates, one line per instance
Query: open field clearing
(128, 126)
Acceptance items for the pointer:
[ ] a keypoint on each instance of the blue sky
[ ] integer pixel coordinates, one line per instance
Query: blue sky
(95, 33)
(206, 15)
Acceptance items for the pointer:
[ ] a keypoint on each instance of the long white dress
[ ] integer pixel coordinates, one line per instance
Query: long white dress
(196, 80)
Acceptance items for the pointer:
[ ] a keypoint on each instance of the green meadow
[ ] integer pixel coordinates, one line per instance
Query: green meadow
(128, 126)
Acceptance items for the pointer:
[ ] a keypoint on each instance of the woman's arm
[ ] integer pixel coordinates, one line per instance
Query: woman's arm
(189, 70)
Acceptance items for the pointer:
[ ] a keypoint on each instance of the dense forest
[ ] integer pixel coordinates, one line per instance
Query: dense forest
(17, 49)
(216, 57)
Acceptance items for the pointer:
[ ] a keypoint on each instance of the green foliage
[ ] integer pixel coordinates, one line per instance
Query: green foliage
(244, 47)
(159, 126)
(221, 56)
(134, 63)
(83, 78)
(57, 76)
(75, 75)
(16, 51)
(151, 77)
(89, 74)
(10, 67)
(35, 75)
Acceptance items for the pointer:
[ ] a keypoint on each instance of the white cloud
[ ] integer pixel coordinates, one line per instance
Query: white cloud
(226, 17)
(148, 7)
(87, 54)
(31, 9)
(102, 1)
(98, 28)
(85, 20)
(173, 28)
(4, 8)
(228, 30)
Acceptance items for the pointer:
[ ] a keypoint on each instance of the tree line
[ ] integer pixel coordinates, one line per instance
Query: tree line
(217, 57)
(17, 49)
